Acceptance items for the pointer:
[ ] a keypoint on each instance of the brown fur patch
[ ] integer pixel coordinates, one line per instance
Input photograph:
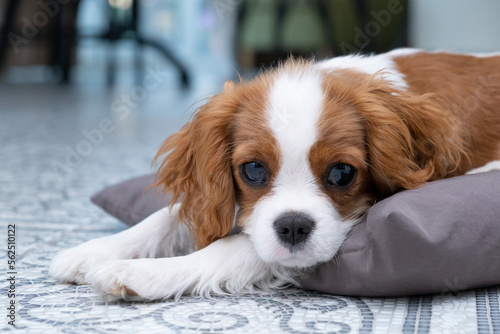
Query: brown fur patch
(467, 88)
(197, 162)
(407, 137)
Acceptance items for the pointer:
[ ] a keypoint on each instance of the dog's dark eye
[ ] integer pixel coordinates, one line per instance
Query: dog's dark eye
(253, 173)
(341, 175)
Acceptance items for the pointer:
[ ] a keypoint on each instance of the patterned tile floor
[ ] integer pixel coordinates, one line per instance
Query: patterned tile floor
(60, 145)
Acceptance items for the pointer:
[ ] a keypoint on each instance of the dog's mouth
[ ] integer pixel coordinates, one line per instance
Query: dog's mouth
(293, 256)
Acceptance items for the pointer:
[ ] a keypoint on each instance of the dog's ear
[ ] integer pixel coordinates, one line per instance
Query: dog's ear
(410, 138)
(195, 166)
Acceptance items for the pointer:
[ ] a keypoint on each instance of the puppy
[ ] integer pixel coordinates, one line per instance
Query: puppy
(295, 157)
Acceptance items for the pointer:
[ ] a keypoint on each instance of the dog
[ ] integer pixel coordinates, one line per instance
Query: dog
(294, 158)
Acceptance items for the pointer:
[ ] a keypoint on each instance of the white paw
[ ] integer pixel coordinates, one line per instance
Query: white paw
(490, 166)
(71, 265)
(128, 280)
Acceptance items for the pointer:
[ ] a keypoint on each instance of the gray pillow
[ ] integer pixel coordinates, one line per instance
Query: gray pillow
(131, 201)
(443, 237)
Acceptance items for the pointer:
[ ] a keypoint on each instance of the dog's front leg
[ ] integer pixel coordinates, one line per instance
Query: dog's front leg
(158, 235)
(229, 265)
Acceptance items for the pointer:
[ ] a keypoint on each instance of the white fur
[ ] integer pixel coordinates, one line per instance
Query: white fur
(486, 55)
(228, 265)
(490, 166)
(401, 52)
(295, 187)
(383, 63)
(158, 235)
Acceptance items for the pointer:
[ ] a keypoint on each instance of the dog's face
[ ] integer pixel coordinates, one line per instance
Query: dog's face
(301, 176)
(296, 157)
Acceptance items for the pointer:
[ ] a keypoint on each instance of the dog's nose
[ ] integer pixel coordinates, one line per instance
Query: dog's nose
(293, 228)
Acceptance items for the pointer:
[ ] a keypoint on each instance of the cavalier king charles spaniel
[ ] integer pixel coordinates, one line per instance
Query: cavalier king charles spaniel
(294, 158)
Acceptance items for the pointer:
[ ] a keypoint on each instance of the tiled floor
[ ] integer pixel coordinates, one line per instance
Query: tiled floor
(60, 145)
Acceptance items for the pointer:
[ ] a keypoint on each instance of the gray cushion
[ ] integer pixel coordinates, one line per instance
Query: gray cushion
(442, 237)
(439, 238)
(131, 201)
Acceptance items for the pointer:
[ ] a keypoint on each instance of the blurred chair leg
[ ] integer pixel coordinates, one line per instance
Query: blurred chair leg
(69, 40)
(57, 45)
(141, 41)
(111, 66)
(184, 76)
(8, 20)
(138, 64)
(64, 40)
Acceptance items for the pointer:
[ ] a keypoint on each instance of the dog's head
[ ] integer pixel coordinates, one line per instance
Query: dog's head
(296, 156)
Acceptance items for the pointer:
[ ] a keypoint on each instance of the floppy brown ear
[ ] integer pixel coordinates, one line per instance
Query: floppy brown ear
(195, 167)
(411, 139)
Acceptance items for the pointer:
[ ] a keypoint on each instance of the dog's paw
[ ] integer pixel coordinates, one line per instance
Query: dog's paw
(71, 265)
(127, 279)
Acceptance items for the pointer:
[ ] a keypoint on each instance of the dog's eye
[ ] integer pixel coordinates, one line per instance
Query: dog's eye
(253, 173)
(341, 175)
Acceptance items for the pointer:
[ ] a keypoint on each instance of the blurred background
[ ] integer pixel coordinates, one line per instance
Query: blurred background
(108, 42)
(65, 65)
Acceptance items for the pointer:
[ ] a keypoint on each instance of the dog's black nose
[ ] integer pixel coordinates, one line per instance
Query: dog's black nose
(293, 228)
